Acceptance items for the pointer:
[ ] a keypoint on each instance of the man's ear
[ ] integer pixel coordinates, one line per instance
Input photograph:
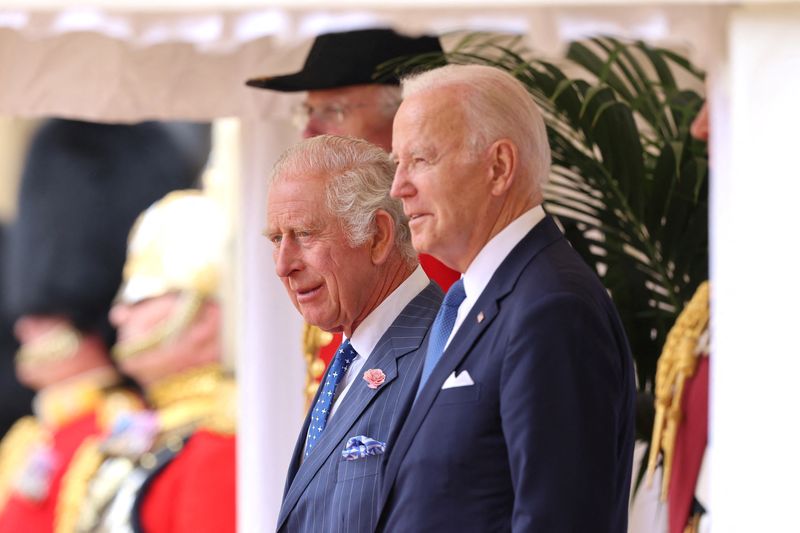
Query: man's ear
(503, 160)
(383, 239)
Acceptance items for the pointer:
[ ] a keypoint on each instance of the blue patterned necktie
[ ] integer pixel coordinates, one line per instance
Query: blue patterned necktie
(442, 326)
(322, 409)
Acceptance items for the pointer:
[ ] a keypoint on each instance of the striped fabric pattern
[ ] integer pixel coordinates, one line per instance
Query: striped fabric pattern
(325, 492)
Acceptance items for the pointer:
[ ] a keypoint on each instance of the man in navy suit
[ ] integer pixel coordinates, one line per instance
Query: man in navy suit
(524, 418)
(343, 251)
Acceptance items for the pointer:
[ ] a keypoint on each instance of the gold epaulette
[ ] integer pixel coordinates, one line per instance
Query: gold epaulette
(222, 418)
(677, 363)
(87, 459)
(194, 383)
(60, 404)
(201, 397)
(14, 449)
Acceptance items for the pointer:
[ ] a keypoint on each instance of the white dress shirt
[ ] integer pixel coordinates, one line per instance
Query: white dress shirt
(370, 331)
(489, 259)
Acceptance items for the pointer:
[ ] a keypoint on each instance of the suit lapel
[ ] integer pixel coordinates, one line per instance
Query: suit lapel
(487, 305)
(299, 447)
(395, 343)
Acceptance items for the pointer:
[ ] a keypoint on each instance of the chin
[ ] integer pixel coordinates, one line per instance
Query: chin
(420, 244)
(316, 322)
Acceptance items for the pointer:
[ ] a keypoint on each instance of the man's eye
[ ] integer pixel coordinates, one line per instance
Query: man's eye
(276, 240)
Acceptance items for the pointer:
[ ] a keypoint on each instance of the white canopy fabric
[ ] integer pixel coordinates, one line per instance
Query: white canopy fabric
(125, 66)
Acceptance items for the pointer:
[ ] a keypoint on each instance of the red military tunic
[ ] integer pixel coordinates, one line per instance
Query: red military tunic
(171, 469)
(42, 448)
(195, 488)
(22, 513)
(690, 447)
(196, 491)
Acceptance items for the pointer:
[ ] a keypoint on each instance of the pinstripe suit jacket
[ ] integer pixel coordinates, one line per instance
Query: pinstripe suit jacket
(325, 493)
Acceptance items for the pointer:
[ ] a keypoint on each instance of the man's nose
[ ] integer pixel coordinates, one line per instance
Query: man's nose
(118, 314)
(286, 260)
(401, 185)
(313, 128)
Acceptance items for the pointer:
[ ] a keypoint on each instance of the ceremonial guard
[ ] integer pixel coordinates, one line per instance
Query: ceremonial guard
(171, 468)
(83, 185)
(680, 432)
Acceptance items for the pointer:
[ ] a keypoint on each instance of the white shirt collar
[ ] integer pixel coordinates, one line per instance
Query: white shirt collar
(370, 331)
(494, 252)
(488, 260)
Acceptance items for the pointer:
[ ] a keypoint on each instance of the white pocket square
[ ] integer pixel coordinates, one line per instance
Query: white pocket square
(461, 380)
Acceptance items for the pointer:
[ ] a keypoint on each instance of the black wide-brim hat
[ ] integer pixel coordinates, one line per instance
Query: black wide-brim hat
(349, 58)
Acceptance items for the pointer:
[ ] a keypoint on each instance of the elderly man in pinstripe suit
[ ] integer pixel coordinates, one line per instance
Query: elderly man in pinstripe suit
(342, 249)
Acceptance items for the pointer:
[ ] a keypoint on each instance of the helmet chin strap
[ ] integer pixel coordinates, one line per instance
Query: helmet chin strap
(187, 308)
(58, 344)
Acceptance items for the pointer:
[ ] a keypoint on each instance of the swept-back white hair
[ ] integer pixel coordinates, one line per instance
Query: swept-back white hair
(496, 106)
(360, 176)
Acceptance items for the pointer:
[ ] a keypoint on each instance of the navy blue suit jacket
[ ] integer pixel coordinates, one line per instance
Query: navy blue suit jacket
(543, 440)
(326, 493)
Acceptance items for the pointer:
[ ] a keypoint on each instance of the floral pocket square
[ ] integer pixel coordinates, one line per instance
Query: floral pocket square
(361, 447)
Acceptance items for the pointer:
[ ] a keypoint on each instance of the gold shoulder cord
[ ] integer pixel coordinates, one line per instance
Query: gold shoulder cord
(313, 339)
(677, 363)
(202, 397)
(87, 460)
(75, 483)
(14, 449)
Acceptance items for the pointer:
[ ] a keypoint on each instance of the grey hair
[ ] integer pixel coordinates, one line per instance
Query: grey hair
(360, 177)
(496, 106)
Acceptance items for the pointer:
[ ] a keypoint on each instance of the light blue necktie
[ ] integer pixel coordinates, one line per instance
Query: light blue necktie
(442, 326)
(322, 409)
